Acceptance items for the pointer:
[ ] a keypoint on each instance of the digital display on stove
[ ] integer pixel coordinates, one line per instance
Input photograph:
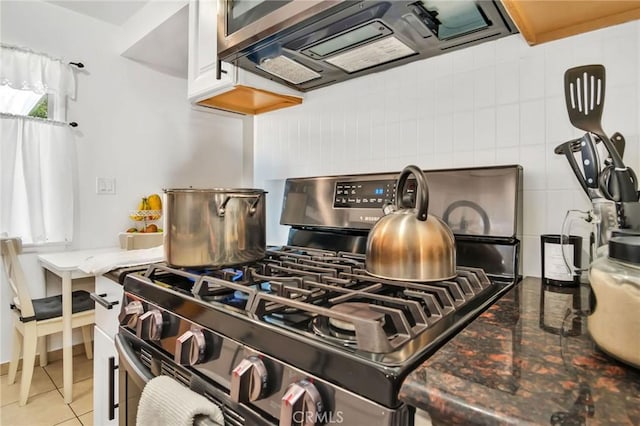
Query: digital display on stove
(364, 194)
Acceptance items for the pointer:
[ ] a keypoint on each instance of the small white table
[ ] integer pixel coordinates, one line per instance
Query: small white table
(65, 265)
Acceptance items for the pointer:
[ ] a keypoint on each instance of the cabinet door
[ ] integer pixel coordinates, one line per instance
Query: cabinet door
(105, 380)
(110, 292)
(203, 52)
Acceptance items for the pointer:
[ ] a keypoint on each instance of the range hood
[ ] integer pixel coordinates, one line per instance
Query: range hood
(308, 44)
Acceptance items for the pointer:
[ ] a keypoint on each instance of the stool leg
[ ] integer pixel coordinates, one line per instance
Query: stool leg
(28, 360)
(15, 355)
(86, 336)
(42, 350)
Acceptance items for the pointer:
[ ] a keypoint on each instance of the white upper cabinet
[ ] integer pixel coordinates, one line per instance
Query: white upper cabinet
(232, 89)
(203, 59)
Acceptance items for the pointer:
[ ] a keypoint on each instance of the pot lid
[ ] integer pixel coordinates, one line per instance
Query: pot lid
(626, 249)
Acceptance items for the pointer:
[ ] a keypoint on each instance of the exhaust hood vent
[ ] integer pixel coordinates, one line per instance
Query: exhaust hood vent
(306, 45)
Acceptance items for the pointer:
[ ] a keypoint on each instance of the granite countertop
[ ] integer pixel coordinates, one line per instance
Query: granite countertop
(527, 360)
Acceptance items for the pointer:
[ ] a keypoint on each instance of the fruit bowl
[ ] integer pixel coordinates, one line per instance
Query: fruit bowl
(147, 215)
(140, 240)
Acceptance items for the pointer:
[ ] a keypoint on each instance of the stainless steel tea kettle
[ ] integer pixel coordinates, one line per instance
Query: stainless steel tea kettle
(408, 243)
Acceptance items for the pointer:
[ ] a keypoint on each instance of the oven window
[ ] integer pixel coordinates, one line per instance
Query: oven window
(242, 13)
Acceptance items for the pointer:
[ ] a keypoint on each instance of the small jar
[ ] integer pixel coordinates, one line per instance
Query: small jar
(615, 281)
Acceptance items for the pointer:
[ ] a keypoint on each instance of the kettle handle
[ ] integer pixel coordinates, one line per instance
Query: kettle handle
(422, 191)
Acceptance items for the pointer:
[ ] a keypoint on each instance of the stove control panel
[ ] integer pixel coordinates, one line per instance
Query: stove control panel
(371, 194)
(364, 194)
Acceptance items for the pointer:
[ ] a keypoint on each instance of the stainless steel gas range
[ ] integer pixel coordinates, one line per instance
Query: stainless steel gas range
(305, 336)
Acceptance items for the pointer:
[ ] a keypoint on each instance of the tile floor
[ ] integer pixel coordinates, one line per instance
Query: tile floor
(46, 406)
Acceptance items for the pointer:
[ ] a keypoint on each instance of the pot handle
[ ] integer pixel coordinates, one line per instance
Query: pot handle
(223, 207)
(422, 191)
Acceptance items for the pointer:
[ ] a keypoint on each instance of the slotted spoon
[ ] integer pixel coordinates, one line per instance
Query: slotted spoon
(584, 89)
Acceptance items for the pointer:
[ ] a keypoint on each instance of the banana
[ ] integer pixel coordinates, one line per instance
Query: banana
(142, 205)
(155, 203)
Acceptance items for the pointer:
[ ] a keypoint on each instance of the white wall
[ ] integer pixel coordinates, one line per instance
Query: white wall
(501, 102)
(135, 125)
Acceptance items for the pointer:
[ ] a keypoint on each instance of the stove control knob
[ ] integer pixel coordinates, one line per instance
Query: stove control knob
(190, 347)
(130, 313)
(149, 326)
(301, 405)
(248, 380)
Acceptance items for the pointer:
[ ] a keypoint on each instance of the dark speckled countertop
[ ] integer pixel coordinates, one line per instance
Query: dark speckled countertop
(527, 360)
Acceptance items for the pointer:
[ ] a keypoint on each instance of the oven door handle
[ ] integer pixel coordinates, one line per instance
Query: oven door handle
(130, 362)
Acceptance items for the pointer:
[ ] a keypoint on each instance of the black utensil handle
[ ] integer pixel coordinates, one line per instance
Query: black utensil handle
(112, 388)
(619, 143)
(589, 161)
(627, 184)
(100, 299)
(566, 149)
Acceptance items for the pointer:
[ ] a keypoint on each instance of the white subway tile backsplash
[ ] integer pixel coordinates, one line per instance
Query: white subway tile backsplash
(620, 110)
(535, 212)
(532, 120)
(426, 136)
(558, 203)
(500, 102)
(532, 75)
(443, 133)
(508, 155)
(463, 131)
(463, 159)
(485, 157)
(508, 125)
(484, 55)
(590, 50)
(510, 48)
(558, 58)
(378, 144)
(485, 128)
(484, 87)
(557, 124)
(463, 86)
(531, 265)
(533, 160)
(507, 82)
(444, 94)
(463, 61)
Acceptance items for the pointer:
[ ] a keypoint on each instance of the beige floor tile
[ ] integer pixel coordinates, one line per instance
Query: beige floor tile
(44, 409)
(87, 419)
(82, 397)
(40, 382)
(82, 370)
(72, 422)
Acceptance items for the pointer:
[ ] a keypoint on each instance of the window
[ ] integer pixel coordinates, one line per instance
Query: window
(37, 147)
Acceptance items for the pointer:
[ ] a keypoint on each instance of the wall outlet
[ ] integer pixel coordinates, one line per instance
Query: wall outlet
(105, 186)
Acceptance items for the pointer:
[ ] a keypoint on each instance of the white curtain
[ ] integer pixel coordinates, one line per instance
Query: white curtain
(37, 172)
(26, 70)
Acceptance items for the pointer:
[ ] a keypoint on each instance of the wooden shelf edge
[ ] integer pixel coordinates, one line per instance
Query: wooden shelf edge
(521, 18)
(250, 100)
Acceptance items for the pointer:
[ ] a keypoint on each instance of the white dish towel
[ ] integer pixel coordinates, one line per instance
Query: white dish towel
(104, 262)
(165, 402)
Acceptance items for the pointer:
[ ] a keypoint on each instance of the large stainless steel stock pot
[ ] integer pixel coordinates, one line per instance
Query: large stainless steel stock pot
(214, 227)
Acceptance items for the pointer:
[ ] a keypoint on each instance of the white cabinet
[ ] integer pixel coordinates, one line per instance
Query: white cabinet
(105, 380)
(235, 90)
(203, 53)
(105, 358)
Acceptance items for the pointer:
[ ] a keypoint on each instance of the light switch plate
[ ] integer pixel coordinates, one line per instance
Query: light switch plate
(105, 186)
